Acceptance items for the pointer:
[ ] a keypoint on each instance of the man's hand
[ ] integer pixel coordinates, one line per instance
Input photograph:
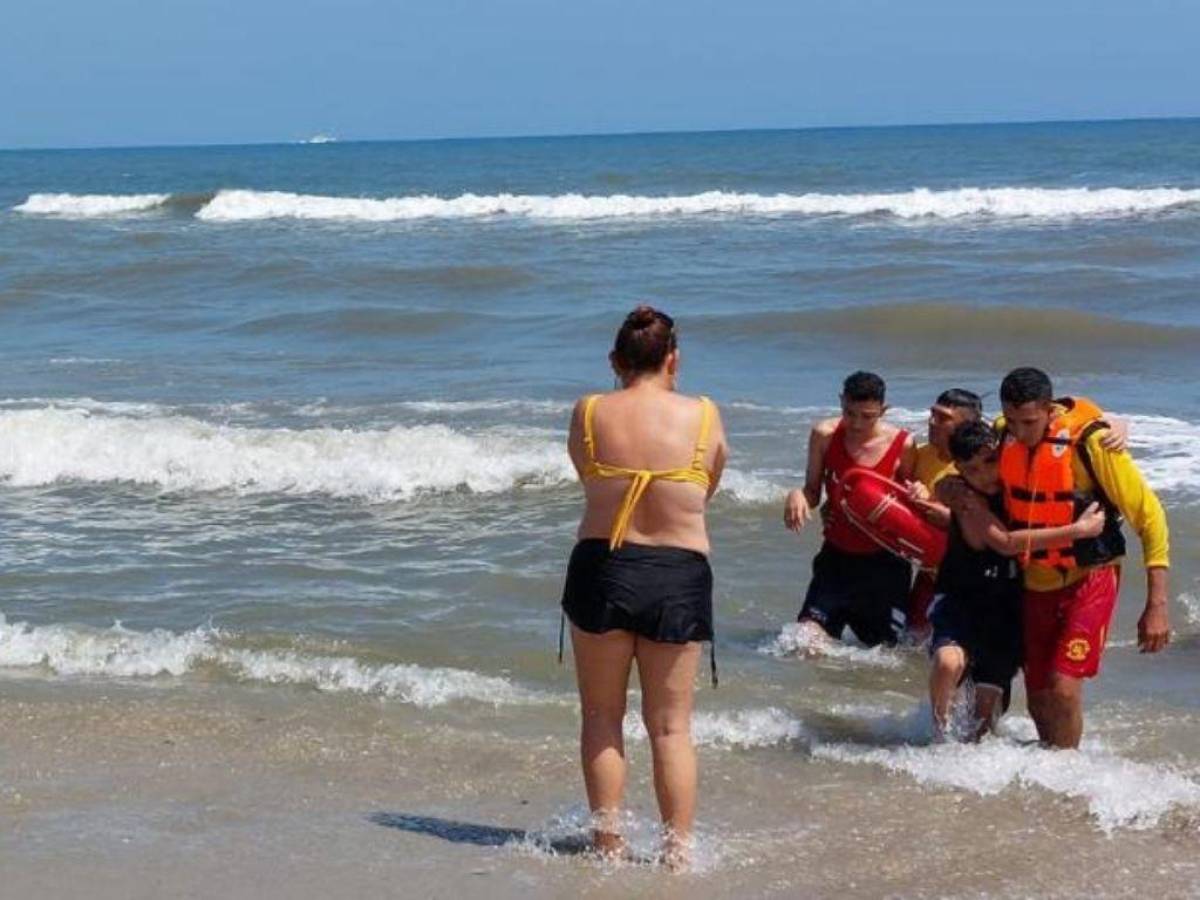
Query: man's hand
(917, 492)
(796, 511)
(1116, 438)
(1154, 630)
(1090, 522)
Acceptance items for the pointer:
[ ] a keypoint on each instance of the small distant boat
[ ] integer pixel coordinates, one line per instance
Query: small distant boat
(320, 139)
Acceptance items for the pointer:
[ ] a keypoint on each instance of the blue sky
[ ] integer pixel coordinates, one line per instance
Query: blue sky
(132, 72)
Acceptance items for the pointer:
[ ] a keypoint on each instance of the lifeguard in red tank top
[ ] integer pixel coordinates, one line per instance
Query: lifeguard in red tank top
(840, 532)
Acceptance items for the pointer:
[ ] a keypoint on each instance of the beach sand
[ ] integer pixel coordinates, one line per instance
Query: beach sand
(124, 791)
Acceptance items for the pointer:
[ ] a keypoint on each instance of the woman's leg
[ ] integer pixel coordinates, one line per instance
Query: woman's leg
(602, 663)
(668, 676)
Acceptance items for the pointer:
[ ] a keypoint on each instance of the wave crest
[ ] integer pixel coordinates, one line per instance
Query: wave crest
(90, 205)
(179, 453)
(118, 652)
(998, 203)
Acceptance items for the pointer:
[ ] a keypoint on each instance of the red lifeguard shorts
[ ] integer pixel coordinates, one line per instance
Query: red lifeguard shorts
(1065, 629)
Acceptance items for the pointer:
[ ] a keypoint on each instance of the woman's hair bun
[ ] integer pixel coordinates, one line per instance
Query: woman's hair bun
(642, 317)
(644, 340)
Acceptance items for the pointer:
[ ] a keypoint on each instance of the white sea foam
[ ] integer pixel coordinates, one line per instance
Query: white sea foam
(1118, 792)
(750, 489)
(1191, 607)
(90, 205)
(1033, 203)
(461, 407)
(743, 729)
(115, 652)
(90, 441)
(179, 453)
(996, 203)
(118, 652)
(796, 640)
(1167, 450)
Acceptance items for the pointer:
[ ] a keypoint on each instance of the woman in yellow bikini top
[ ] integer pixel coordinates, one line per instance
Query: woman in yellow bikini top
(647, 599)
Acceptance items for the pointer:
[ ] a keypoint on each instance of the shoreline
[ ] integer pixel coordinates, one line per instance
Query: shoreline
(234, 791)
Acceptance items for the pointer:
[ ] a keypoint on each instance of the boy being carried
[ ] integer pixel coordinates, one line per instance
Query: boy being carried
(976, 611)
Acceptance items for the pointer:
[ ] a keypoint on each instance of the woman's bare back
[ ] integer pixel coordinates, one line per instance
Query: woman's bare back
(655, 429)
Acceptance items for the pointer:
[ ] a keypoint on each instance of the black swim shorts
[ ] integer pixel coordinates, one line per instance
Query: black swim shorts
(866, 591)
(661, 593)
(988, 629)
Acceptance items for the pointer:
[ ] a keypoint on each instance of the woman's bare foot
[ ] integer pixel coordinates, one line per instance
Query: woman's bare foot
(608, 845)
(677, 851)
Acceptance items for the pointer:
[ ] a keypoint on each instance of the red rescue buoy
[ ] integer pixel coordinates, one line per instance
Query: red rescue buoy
(880, 509)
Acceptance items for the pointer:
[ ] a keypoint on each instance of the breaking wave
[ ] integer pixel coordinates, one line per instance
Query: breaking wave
(1002, 203)
(118, 652)
(181, 453)
(84, 206)
(96, 442)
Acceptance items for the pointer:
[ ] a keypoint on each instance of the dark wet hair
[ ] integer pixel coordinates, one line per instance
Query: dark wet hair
(861, 387)
(643, 341)
(970, 438)
(961, 398)
(1026, 385)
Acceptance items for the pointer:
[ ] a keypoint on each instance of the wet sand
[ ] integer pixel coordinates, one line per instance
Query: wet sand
(123, 791)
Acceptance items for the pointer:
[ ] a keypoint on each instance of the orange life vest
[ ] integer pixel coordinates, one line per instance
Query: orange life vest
(1040, 490)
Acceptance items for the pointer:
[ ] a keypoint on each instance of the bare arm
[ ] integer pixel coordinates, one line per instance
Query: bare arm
(720, 454)
(937, 514)
(908, 460)
(981, 528)
(801, 502)
(814, 471)
(575, 448)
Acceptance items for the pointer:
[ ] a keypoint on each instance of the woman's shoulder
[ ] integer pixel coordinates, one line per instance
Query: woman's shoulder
(694, 400)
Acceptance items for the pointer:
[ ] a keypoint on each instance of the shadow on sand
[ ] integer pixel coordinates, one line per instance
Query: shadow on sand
(480, 835)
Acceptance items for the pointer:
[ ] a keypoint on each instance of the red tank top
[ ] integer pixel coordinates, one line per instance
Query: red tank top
(838, 530)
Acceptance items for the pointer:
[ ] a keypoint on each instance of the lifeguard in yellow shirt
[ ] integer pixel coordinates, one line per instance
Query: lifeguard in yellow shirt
(934, 462)
(1052, 460)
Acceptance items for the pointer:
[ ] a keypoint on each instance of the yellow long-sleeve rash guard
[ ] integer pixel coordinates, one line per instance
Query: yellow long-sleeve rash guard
(1126, 487)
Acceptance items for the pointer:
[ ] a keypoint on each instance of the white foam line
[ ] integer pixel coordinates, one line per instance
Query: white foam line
(1030, 203)
(1000, 203)
(95, 442)
(86, 206)
(1118, 792)
(49, 445)
(743, 729)
(122, 653)
(796, 640)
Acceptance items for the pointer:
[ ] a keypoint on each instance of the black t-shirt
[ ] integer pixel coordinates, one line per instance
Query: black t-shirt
(981, 574)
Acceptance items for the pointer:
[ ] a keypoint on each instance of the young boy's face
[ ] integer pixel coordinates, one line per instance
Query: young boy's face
(861, 416)
(982, 471)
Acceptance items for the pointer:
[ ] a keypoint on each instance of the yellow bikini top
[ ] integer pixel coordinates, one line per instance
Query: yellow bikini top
(695, 473)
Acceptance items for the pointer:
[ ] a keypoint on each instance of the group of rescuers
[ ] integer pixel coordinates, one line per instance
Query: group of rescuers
(1033, 504)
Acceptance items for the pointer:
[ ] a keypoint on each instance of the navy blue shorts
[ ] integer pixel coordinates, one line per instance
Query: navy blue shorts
(988, 629)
